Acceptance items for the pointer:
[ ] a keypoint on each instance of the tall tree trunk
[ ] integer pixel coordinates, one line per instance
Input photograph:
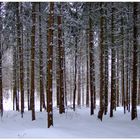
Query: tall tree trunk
(82, 84)
(15, 74)
(57, 78)
(65, 80)
(28, 72)
(61, 64)
(19, 44)
(117, 79)
(112, 65)
(87, 77)
(127, 72)
(106, 66)
(15, 79)
(122, 66)
(75, 75)
(1, 93)
(50, 66)
(71, 82)
(79, 86)
(101, 111)
(42, 99)
(33, 60)
(134, 85)
(91, 67)
(129, 75)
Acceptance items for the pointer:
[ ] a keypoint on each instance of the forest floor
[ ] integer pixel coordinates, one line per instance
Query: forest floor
(78, 124)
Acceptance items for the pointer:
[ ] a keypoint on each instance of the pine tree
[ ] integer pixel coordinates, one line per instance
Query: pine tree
(49, 66)
(91, 68)
(79, 86)
(32, 103)
(15, 72)
(42, 99)
(21, 80)
(75, 74)
(101, 111)
(75, 31)
(28, 70)
(106, 63)
(61, 63)
(117, 78)
(112, 100)
(87, 75)
(134, 78)
(1, 88)
(122, 63)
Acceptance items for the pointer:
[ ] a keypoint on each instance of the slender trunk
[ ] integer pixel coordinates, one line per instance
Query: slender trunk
(87, 77)
(127, 72)
(50, 66)
(134, 84)
(71, 83)
(79, 87)
(28, 72)
(74, 91)
(106, 68)
(82, 84)
(32, 60)
(15, 77)
(122, 66)
(112, 65)
(65, 82)
(91, 66)
(42, 99)
(19, 44)
(1, 93)
(57, 79)
(101, 111)
(61, 64)
(129, 77)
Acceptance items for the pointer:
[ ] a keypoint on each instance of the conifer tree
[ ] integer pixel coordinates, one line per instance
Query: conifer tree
(112, 100)
(134, 78)
(42, 98)
(61, 63)
(32, 103)
(1, 88)
(50, 66)
(101, 111)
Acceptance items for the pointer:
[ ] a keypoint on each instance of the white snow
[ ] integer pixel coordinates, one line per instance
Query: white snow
(78, 124)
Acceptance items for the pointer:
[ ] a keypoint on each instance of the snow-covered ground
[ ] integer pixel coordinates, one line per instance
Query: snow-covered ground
(78, 124)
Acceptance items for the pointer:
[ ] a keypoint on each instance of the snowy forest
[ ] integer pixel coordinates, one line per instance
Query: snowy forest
(60, 57)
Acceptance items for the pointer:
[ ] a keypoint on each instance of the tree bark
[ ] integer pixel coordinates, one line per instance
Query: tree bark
(19, 44)
(42, 99)
(50, 66)
(106, 66)
(122, 65)
(61, 64)
(101, 111)
(87, 77)
(75, 75)
(134, 84)
(33, 60)
(91, 67)
(28, 72)
(1, 92)
(112, 105)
